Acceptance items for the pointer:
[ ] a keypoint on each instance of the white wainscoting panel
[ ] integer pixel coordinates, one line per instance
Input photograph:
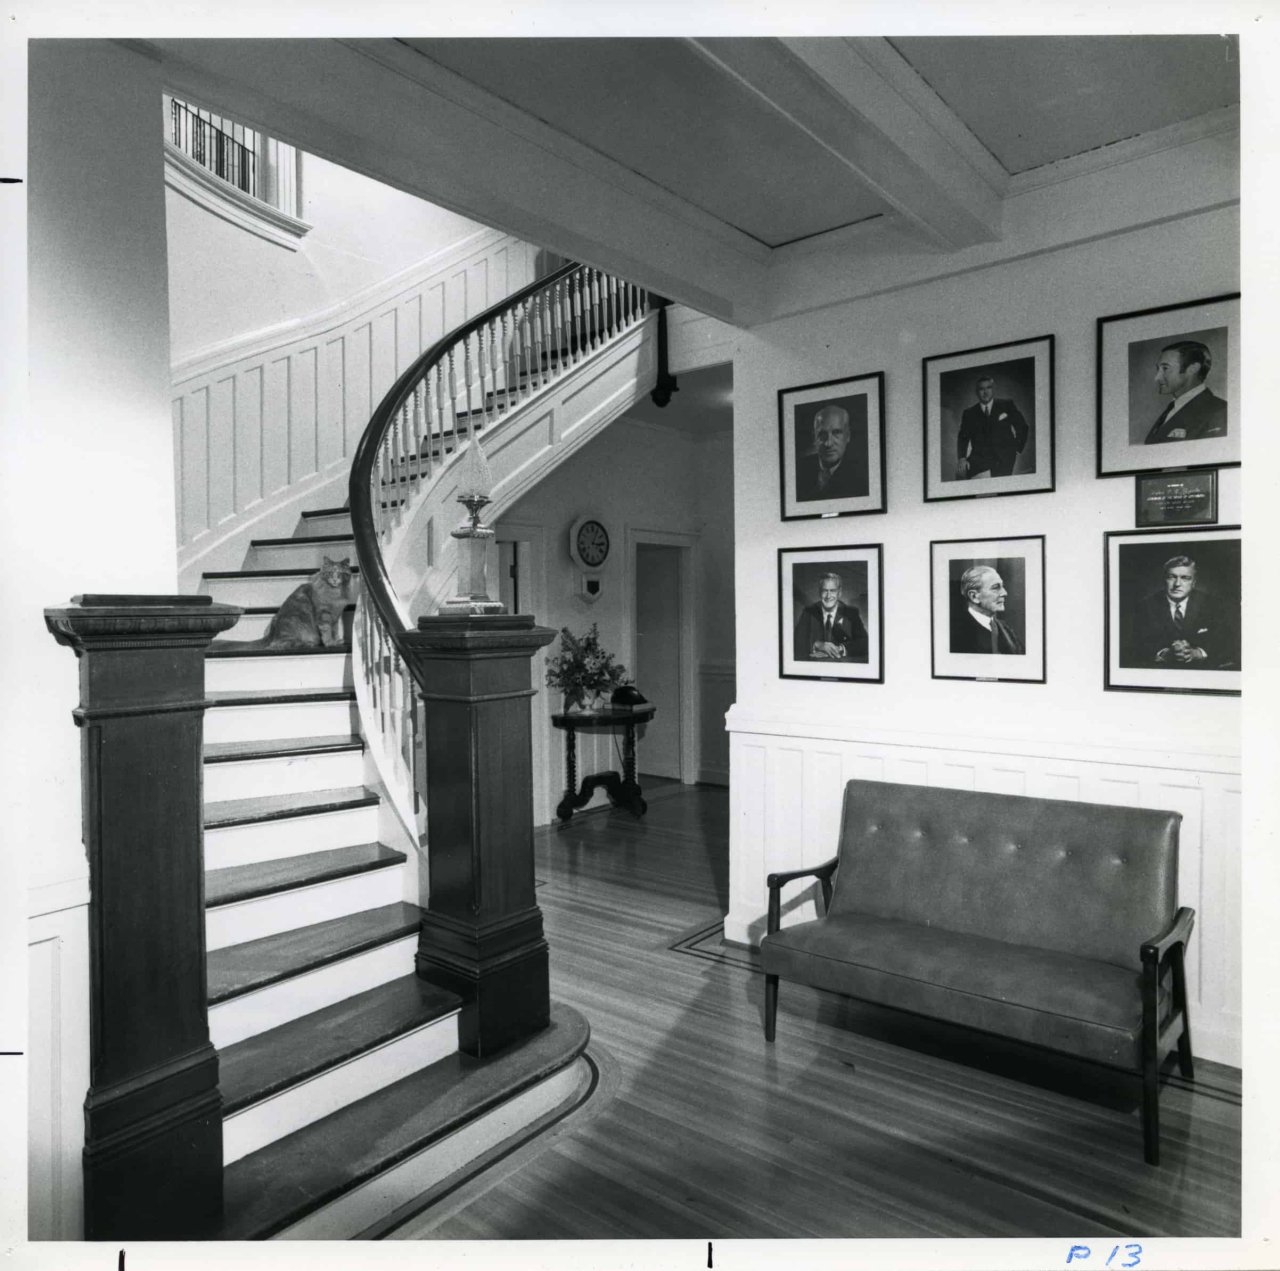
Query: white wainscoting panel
(255, 416)
(57, 1072)
(785, 799)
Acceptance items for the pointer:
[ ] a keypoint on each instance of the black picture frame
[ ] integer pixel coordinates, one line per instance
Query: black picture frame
(858, 637)
(1132, 433)
(1163, 499)
(1018, 434)
(961, 647)
(1139, 653)
(858, 486)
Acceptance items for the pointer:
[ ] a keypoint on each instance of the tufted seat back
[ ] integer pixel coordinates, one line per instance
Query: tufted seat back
(1080, 878)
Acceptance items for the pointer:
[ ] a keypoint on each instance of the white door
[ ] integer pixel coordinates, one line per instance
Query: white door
(657, 669)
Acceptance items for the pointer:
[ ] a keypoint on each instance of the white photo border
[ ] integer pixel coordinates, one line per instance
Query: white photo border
(1041, 348)
(870, 385)
(1023, 668)
(1129, 679)
(792, 668)
(1117, 455)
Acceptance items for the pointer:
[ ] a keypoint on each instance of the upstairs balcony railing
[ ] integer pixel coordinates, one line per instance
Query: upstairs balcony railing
(259, 165)
(463, 384)
(197, 136)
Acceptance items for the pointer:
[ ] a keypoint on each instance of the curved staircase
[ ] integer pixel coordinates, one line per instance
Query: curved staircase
(345, 1096)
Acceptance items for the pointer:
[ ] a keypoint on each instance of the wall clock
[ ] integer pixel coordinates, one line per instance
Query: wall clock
(588, 542)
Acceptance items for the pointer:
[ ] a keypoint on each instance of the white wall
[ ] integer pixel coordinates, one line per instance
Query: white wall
(646, 483)
(795, 741)
(226, 283)
(88, 507)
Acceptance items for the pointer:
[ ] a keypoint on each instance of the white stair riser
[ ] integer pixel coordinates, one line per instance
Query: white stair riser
(286, 774)
(252, 591)
(313, 526)
(357, 1210)
(301, 553)
(262, 1123)
(308, 670)
(300, 907)
(281, 720)
(253, 626)
(254, 1013)
(292, 836)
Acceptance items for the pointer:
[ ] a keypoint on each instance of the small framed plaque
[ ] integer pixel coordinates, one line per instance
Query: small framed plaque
(1176, 498)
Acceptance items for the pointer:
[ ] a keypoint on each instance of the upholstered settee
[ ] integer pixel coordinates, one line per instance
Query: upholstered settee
(1050, 922)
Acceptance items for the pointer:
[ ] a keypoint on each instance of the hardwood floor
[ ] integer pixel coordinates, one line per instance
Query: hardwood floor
(858, 1122)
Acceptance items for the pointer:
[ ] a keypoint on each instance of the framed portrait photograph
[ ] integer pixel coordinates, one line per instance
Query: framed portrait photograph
(831, 613)
(988, 421)
(1176, 498)
(1169, 387)
(987, 608)
(832, 448)
(1173, 610)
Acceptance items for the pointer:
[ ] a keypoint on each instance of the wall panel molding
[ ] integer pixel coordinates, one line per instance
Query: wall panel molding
(787, 786)
(257, 416)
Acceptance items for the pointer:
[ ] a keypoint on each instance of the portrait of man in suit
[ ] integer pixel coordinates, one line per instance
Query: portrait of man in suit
(1192, 411)
(979, 623)
(829, 630)
(832, 460)
(1182, 627)
(992, 434)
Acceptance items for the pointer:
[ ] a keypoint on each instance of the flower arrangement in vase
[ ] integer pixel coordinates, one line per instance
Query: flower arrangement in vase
(583, 670)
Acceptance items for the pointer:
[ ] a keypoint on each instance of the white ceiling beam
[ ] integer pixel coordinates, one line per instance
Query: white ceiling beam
(382, 109)
(866, 106)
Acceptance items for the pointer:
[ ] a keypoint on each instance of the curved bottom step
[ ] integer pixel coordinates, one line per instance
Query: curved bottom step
(346, 1174)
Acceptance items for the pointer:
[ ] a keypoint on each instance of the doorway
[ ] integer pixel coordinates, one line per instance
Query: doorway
(659, 656)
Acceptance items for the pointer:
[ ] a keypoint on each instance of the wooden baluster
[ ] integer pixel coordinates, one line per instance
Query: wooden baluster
(544, 322)
(406, 714)
(597, 332)
(493, 409)
(611, 305)
(526, 349)
(577, 312)
(417, 430)
(557, 321)
(507, 370)
(438, 435)
(453, 404)
(466, 380)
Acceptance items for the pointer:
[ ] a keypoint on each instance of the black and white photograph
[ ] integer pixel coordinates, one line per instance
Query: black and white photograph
(831, 437)
(988, 608)
(1173, 610)
(1168, 387)
(830, 613)
(988, 421)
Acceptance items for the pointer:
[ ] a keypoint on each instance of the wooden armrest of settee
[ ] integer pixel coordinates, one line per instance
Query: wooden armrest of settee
(821, 872)
(1155, 951)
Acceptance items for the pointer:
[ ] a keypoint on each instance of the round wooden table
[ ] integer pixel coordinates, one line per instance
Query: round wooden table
(623, 791)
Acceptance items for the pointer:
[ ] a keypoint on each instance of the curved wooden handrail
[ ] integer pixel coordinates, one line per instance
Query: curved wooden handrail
(509, 352)
(375, 580)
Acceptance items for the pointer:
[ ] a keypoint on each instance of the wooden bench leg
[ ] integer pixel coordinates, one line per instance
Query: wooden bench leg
(770, 1006)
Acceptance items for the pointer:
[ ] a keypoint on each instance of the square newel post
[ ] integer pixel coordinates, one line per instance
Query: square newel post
(153, 1114)
(482, 933)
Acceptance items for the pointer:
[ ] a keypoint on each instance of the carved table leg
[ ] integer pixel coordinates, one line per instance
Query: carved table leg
(564, 809)
(629, 792)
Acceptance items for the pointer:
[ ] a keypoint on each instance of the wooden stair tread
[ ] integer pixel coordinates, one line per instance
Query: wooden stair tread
(281, 1057)
(274, 1187)
(241, 968)
(265, 573)
(234, 751)
(252, 649)
(265, 878)
(308, 541)
(277, 696)
(317, 512)
(279, 807)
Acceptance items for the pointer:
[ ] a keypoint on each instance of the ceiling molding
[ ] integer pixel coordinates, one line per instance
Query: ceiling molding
(1184, 133)
(827, 89)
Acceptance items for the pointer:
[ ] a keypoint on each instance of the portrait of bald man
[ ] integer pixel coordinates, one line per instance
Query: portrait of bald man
(832, 460)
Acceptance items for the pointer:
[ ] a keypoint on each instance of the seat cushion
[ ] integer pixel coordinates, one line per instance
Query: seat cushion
(1067, 1003)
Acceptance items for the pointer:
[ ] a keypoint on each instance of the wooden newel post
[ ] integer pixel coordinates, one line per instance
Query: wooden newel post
(153, 1115)
(482, 934)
